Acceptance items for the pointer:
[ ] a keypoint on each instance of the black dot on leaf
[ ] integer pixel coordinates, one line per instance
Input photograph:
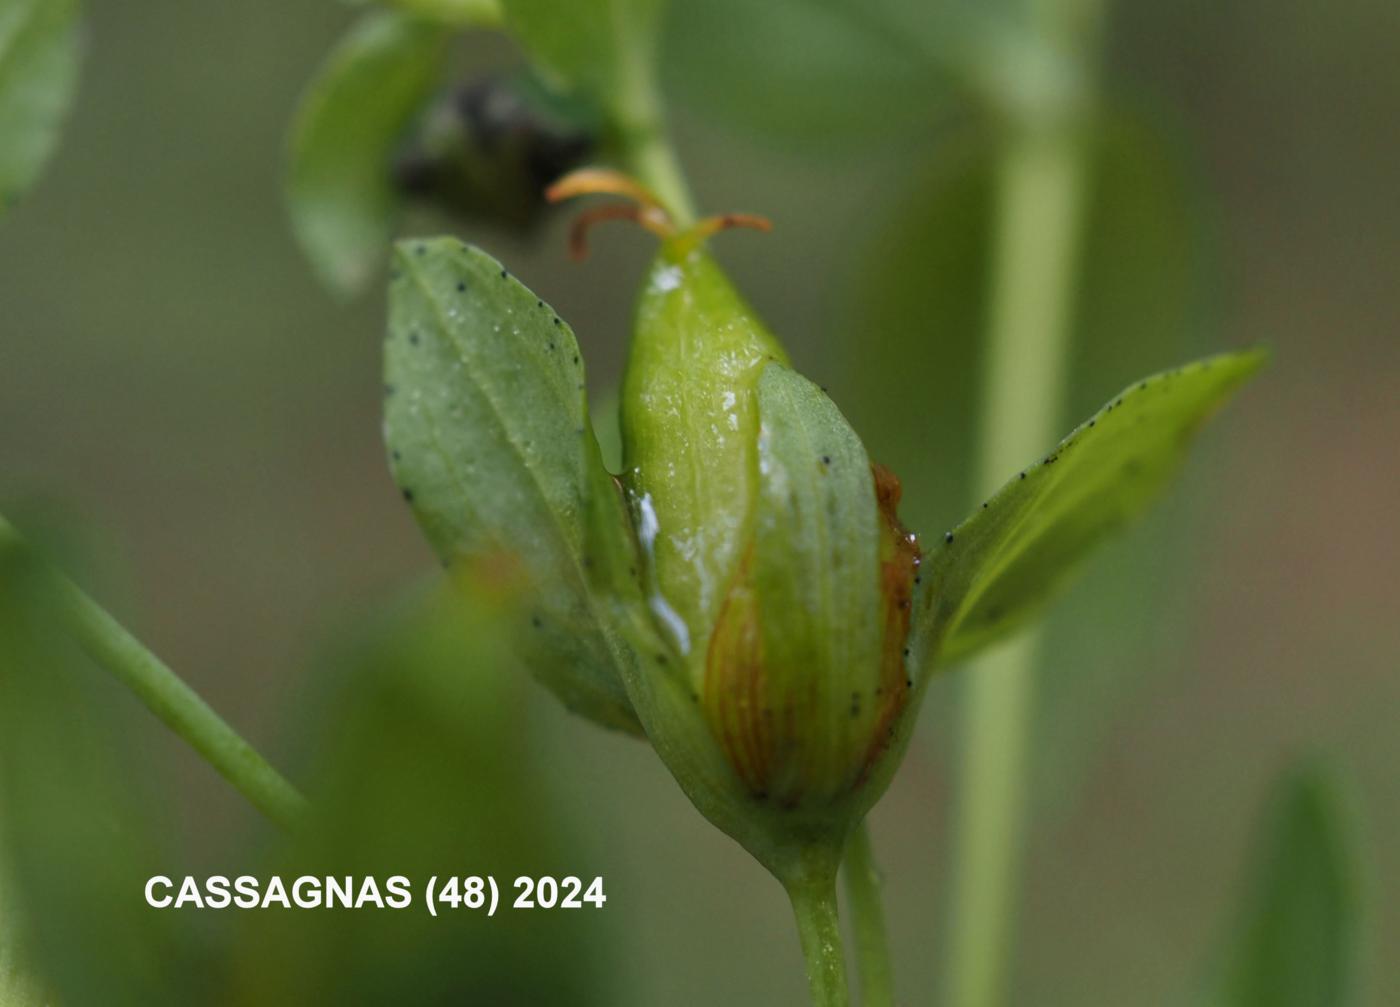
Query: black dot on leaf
(461, 286)
(408, 494)
(948, 537)
(503, 274)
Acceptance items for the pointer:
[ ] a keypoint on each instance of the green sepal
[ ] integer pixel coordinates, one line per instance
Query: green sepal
(816, 577)
(999, 567)
(486, 421)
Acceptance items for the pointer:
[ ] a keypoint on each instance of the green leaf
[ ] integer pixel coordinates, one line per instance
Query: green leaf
(601, 46)
(1001, 565)
(339, 187)
(1296, 939)
(486, 420)
(39, 50)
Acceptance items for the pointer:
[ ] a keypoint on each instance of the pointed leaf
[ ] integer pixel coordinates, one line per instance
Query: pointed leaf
(39, 49)
(1000, 566)
(486, 419)
(339, 185)
(1295, 945)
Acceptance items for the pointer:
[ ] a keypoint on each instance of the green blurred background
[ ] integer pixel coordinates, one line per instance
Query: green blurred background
(173, 379)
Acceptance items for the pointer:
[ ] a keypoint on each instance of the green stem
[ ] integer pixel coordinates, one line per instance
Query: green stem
(652, 159)
(814, 905)
(104, 640)
(647, 151)
(868, 921)
(1038, 204)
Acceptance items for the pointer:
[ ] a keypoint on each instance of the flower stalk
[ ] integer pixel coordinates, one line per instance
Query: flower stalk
(814, 905)
(868, 921)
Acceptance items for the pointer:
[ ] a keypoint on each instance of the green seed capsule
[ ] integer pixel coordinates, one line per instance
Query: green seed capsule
(773, 565)
(690, 434)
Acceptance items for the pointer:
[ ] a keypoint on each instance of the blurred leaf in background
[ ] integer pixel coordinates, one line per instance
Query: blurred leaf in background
(39, 54)
(1295, 940)
(426, 768)
(829, 71)
(598, 46)
(350, 121)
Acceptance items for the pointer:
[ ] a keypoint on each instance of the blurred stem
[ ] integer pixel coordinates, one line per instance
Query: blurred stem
(107, 643)
(868, 921)
(652, 159)
(814, 905)
(646, 148)
(1039, 192)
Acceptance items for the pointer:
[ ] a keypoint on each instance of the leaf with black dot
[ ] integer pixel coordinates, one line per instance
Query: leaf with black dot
(999, 567)
(339, 176)
(490, 442)
(39, 51)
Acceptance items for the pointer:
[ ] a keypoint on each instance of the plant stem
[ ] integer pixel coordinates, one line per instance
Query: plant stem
(1038, 202)
(108, 644)
(652, 159)
(868, 921)
(638, 118)
(814, 905)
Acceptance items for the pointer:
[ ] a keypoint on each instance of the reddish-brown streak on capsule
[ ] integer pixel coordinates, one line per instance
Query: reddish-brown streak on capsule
(734, 683)
(899, 567)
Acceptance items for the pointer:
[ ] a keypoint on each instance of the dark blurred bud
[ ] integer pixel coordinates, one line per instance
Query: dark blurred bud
(488, 148)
